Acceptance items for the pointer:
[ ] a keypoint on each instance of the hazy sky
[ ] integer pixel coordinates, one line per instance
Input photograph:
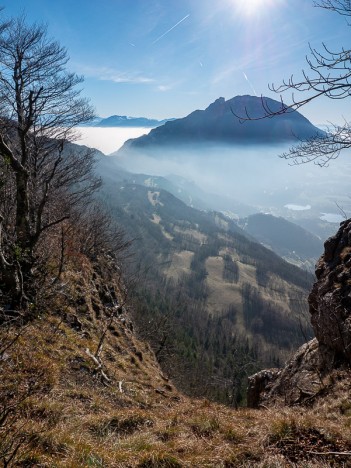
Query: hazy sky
(166, 58)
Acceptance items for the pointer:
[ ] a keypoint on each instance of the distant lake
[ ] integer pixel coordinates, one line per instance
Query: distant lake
(297, 207)
(108, 139)
(332, 217)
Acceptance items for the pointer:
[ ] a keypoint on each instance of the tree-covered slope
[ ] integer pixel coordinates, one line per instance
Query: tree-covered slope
(211, 301)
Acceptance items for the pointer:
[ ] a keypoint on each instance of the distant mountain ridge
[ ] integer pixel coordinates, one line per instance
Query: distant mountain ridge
(220, 123)
(125, 121)
(290, 241)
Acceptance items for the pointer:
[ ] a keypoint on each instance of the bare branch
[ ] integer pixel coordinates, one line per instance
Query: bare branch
(328, 75)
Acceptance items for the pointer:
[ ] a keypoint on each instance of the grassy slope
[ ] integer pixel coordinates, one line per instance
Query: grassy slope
(73, 419)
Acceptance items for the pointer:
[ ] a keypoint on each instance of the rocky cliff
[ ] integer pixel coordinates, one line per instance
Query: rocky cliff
(315, 366)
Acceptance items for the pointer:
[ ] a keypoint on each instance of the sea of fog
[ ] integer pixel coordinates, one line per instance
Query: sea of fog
(254, 174)
(108, 139)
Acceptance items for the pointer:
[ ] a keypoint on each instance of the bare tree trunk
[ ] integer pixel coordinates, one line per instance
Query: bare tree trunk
(22, 227)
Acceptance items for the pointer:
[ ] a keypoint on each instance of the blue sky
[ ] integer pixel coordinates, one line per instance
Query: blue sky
(166, 58)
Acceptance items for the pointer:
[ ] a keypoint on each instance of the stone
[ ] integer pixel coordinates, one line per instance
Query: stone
(258, 384)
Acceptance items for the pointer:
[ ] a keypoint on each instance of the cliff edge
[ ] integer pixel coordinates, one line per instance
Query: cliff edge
(318, 364)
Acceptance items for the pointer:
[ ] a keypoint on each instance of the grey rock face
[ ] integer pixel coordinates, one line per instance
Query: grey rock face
(260, 384)
(303, 377)
(330, 298)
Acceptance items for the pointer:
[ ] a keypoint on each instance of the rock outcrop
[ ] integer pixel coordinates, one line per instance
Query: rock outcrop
(330, 299)
(305, 375)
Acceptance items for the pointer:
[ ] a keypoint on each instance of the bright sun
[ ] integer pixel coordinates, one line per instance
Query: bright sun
(253, 7)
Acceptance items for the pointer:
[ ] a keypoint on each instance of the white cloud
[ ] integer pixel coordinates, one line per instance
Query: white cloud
(116, 76)
(125, 78)
(164, 88)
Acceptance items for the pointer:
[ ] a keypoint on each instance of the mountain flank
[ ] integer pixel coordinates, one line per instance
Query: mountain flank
(220, 123)
(207, 289)
(287, 239)
(78, 388)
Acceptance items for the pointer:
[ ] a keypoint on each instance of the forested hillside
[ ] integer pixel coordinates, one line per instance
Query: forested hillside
(214, 305)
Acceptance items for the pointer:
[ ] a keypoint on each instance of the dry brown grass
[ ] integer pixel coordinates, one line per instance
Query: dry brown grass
(76, 421)
(74, 418)
(180, 263)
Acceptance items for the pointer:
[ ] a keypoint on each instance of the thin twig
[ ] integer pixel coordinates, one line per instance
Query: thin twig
(330, 453)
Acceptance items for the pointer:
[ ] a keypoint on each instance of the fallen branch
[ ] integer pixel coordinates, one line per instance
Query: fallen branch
(98, 369)
(348, 454)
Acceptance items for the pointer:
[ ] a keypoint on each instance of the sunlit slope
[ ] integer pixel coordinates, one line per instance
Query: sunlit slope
(71, 419)
(222, 268)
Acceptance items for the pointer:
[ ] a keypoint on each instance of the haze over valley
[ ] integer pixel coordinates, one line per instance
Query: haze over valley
(238, 179)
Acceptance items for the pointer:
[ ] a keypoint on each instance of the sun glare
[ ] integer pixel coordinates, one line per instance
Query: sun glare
(253, 7)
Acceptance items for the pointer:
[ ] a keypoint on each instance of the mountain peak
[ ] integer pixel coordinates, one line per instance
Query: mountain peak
(220, 123)
(217, 103)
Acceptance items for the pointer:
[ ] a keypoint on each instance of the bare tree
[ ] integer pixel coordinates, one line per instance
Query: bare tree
(97, 232)
(329, 75)
(42, 175)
